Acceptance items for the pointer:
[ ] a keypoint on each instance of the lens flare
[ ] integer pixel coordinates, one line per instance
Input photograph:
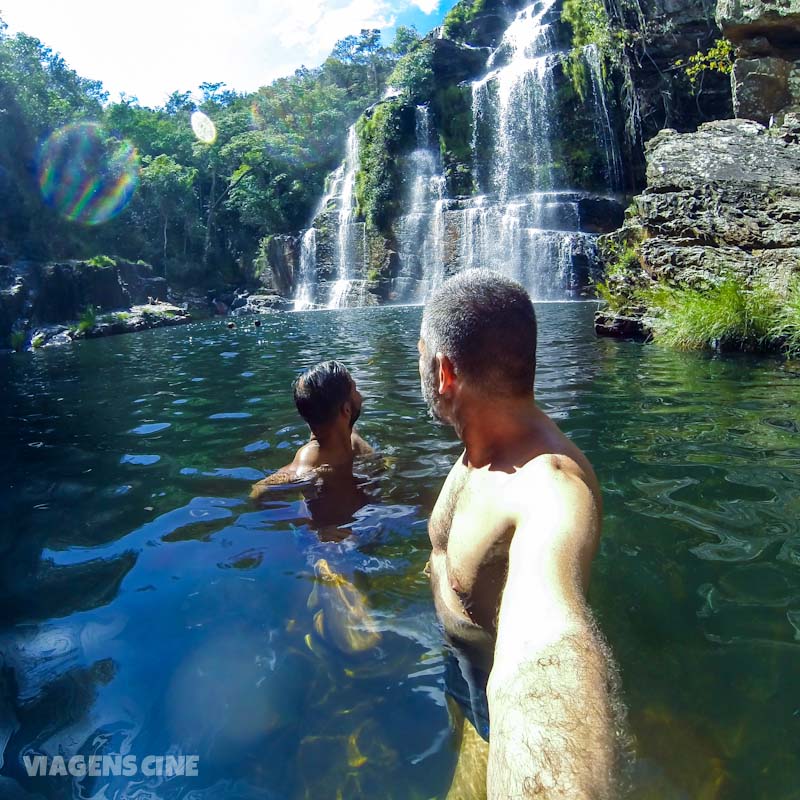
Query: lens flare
(204, 128)
(85, 175)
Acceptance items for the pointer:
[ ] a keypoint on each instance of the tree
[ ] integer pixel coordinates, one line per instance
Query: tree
(170, 186)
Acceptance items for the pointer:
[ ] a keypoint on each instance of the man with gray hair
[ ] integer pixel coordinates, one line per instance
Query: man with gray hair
(514, 533)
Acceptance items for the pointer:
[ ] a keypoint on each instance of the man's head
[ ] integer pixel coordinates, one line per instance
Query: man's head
(479, 332)
(326, 395)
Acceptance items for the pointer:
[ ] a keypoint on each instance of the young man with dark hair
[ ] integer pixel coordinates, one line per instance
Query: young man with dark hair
(326, 397)
(514, 533)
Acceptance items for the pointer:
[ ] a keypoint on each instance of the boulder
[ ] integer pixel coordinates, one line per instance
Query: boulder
(138, 280)
(263, 304)
(775, 22)
(760, 87)
(724, 200)
(453, 62)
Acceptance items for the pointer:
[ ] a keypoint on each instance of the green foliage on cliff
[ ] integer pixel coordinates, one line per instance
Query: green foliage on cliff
(718, 58)
(591, 24)
(413, 74)
(457, 23)
(101, 262)
(384, 134)
(452, 110)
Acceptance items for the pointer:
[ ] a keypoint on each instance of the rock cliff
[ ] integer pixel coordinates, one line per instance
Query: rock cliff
(723, 201)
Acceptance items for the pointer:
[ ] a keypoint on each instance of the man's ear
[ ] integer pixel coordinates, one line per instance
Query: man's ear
(446, 373)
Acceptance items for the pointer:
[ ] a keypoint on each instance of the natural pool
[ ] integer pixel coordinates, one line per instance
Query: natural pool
(148, 607)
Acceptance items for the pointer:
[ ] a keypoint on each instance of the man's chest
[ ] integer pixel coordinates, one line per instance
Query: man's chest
(471, 525)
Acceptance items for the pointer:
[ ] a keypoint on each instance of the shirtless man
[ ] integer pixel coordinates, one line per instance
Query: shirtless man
(514, 532)
(328, 400)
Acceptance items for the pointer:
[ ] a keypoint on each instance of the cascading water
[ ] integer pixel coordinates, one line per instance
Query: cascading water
(420, 231)
(348, 238)
(604, 129)
(526, 220)
(303, 298)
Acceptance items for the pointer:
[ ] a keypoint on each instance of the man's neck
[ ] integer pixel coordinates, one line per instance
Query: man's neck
(336, 443)
(494, 430)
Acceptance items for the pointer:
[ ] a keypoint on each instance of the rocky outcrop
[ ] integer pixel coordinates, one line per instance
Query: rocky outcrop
(766, 73)
(654, 93)
(262, 304)
(722, 201)
(137, 318)
(36, 295)
(275, 267)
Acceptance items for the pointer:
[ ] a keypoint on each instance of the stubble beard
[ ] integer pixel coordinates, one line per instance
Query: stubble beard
(431, 394)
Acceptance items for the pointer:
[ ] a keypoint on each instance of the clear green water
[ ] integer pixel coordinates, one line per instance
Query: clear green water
(149, 607)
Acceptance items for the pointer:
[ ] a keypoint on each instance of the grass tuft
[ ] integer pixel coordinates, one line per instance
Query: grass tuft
(727, 316)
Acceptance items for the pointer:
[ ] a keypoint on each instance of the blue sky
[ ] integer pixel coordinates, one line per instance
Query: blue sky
(148, 48)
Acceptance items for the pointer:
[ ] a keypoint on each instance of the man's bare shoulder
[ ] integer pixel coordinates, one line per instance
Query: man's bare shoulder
(558, 497)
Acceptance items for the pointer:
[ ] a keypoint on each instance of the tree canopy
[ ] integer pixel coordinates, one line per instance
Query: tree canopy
(199, 208)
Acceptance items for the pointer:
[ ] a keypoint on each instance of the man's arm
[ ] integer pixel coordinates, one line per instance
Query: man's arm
(297, 470)
(360, 447)
(552, 690)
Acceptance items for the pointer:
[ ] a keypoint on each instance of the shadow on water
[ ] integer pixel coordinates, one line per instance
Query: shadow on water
(149, 607)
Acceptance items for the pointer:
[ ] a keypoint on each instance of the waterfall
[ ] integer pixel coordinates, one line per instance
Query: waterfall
(308, 267)
(603, 126)
(515, 102)
(348, 238)
(420, 231)
(524, 220)
(519, 224)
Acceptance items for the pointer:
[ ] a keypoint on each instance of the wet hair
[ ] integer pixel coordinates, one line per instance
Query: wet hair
(485, 324)
(320, 392)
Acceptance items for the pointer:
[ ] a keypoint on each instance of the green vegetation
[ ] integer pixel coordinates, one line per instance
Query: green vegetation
(88, 320)
(384, 134)
(729, 315)
(101, 262)
(591, 25)
(17, 341)
(199, 209)
(718, 58)
(458, 22)
(452, 110)
(413, 75)
(786, 324)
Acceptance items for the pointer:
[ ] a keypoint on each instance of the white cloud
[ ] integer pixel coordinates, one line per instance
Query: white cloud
(426, 6)
(156, 46)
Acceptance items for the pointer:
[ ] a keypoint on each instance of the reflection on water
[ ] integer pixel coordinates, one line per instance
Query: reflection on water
(150, 608)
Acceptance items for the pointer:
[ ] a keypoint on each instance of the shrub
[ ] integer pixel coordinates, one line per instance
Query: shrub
(786, 326)
(88, 319)
(413, 73)
(101, 261)
(719, 58)
(727, 316)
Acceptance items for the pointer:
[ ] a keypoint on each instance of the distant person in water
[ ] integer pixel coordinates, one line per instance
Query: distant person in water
(513, 534)
(328, 400)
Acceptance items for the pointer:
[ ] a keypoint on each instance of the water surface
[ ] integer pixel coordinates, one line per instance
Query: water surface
(149, 607)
